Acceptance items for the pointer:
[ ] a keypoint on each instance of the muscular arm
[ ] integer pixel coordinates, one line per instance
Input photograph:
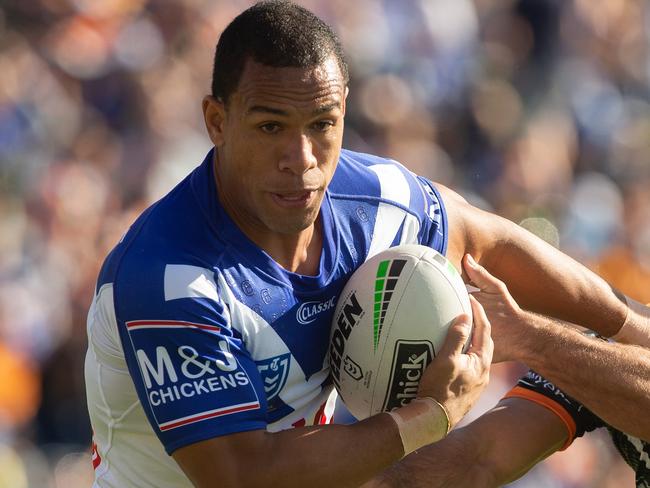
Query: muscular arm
(332, 455)
(540, 277)
(612, 380)
(497, 448)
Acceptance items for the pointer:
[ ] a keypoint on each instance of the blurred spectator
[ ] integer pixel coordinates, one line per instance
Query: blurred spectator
(538, 109)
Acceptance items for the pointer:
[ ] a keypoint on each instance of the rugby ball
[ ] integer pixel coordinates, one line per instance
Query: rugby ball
(390, 321)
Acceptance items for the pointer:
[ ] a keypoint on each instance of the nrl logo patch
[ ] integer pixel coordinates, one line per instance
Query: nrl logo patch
(274, 372)
(352, 368)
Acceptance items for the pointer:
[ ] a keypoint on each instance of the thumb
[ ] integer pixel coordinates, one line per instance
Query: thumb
(457, 336)
(480, 276)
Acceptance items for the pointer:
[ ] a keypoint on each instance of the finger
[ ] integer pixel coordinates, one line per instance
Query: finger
(457, 336)
(482, 344)
(480, 276)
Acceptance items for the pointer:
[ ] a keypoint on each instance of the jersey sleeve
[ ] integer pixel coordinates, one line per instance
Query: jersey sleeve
(193, 374)
(433, 227)
(575, 416)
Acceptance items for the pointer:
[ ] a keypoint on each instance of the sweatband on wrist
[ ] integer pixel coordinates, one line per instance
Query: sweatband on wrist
(421, 422)
(636, 328)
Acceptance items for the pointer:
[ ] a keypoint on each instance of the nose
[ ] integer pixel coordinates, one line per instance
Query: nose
(298, 156)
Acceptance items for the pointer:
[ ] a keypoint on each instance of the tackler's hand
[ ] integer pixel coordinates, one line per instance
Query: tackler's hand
(502, 310)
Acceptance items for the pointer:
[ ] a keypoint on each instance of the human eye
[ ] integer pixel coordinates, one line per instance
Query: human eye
(323, 125)
(270, 127)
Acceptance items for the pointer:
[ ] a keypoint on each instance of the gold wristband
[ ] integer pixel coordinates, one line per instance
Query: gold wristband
(421, 422)
(445, 412)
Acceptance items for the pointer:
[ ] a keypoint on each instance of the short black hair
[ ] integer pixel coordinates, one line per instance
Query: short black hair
(273, 33)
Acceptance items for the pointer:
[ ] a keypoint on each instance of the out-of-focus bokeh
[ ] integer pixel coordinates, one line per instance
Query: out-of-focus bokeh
(536, 109)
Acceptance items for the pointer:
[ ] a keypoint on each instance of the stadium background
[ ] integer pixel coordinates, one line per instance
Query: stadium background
(537, 109)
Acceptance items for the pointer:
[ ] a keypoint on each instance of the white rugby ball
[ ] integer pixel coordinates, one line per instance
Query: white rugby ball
(390, 322)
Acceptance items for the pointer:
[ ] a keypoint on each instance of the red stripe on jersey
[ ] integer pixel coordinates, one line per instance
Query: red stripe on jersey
(299, 423)
(320, 417)
(209, 415)
(96, 458)
(134, 324)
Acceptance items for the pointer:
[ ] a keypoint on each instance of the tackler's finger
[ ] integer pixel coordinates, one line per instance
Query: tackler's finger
(480, 276)
(481, 339)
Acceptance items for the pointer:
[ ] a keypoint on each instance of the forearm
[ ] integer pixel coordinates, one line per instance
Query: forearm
(549, 282)
(612, 380)
(540, 277)
(317, 456)
(453, 462)
(347, 455)
(495, 449)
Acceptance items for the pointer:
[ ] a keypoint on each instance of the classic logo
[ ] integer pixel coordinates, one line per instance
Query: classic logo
(410, 359)
(274, 372)
(352, 368)
(309, 311)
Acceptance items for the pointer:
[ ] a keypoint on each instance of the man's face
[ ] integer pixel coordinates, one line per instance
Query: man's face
(278, 141)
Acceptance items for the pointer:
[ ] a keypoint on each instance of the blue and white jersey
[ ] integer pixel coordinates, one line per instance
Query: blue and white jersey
(195, 332)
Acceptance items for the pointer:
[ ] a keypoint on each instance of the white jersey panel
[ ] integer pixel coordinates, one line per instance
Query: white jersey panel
(126, 451)
(638, 444)
(305, 397)
(184, 281)
(390, 217)
(410, 230)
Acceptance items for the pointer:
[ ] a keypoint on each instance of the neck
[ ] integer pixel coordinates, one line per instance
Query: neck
(297, 252)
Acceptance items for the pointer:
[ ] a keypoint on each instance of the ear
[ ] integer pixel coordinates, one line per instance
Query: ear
(345, 99)
(214, 115)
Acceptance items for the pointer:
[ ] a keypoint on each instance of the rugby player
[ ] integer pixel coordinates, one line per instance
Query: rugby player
(209, 327)
(576, 384)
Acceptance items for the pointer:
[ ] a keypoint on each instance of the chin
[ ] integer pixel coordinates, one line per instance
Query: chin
(288, 225)
(291, 227)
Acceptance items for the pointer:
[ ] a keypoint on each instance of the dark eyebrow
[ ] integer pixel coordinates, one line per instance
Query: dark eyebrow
(277, 111)
(326, 108)
(266, 110)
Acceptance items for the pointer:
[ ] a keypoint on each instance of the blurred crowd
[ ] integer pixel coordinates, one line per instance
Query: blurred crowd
(536, 109)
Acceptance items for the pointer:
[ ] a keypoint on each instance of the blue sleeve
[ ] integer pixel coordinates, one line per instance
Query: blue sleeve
(193, 374)
(433, 230)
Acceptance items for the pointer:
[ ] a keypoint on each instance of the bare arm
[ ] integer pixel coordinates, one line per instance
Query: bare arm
(497, 448)
(344, 455)
(540, 277)
(332, 455)
(612, 380)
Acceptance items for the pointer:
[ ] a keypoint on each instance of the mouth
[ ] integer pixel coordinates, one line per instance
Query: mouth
(293, 199)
